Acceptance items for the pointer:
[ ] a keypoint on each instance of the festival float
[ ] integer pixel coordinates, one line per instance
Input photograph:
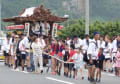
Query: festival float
(36, 21)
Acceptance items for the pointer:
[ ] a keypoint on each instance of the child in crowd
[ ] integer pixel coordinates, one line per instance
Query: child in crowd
(65, 58)
(71, 65)
(117, 64)
(48, 50)
(55, 50)
(99, 65)
(60, 56)
(78, 62)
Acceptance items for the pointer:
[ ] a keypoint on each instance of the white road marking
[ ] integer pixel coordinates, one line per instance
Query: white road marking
(111, 74)
(20, 71)
(50, 78)
(24, 71)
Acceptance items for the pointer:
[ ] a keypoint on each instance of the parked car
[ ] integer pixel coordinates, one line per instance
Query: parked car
(1, 48)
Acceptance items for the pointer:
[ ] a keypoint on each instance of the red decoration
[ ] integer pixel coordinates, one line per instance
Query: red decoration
(15, 27)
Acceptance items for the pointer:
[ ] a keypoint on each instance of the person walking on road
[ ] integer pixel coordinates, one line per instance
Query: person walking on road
(38, 58)
(92, 54)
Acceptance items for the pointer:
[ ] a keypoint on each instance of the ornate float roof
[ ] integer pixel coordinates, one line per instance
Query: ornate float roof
(34, 14)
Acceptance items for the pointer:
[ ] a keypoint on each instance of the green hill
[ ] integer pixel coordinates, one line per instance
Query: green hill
(99, 9)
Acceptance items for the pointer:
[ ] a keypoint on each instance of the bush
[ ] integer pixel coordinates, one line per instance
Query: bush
(78, 28)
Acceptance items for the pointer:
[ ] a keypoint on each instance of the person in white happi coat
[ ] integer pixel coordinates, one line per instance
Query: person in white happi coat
(77, 42)
(6, 49)
(27, 49)
(42, 41)
(43, 44)
(12, 39)
(107, 53)
(115, 44)
(24, 50)
(86, 42)
(68, 41)
(92, 52)
(101, 42)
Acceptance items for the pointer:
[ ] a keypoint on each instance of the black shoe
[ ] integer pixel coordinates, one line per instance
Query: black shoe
(104, 70)
(88, 79)
(5, 64)
(64, 74)
(93, 81)
(82, 78)
(41, 71)
(59, 73)
(70, 76)
(9, 65)
(22, 68)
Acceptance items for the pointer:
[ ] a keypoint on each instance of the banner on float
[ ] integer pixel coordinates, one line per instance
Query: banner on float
(27, 28)
(13, 27)
(54, 31)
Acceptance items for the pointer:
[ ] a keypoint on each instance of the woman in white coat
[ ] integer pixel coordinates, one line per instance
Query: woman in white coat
(107, 51)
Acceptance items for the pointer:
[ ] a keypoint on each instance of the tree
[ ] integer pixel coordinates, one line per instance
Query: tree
(110, 28)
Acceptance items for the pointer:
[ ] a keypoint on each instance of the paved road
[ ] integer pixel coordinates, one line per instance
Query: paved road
(7, 76)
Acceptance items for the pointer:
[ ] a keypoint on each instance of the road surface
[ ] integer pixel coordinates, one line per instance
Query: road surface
(8, 76)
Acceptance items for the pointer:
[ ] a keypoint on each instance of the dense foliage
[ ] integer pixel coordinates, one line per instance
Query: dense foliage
(78, 28)
(104, 10)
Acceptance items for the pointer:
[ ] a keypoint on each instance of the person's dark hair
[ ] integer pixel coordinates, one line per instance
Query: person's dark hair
(35, 37)
(101, 36)
(75, 36)
(80, 48)
(101, 49)
(66, 44)
(119, 46)
(86, 35)
(63, 41)
(31, 35)
(96, 33)
(14, 32)
(22, 35)
(68, 37)
(40, 35)
(8, 36)
(72, 46)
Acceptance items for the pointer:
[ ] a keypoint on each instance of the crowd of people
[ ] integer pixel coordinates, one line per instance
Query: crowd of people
(31, 53)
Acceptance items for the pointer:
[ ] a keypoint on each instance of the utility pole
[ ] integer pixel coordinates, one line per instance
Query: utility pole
(87, 16)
